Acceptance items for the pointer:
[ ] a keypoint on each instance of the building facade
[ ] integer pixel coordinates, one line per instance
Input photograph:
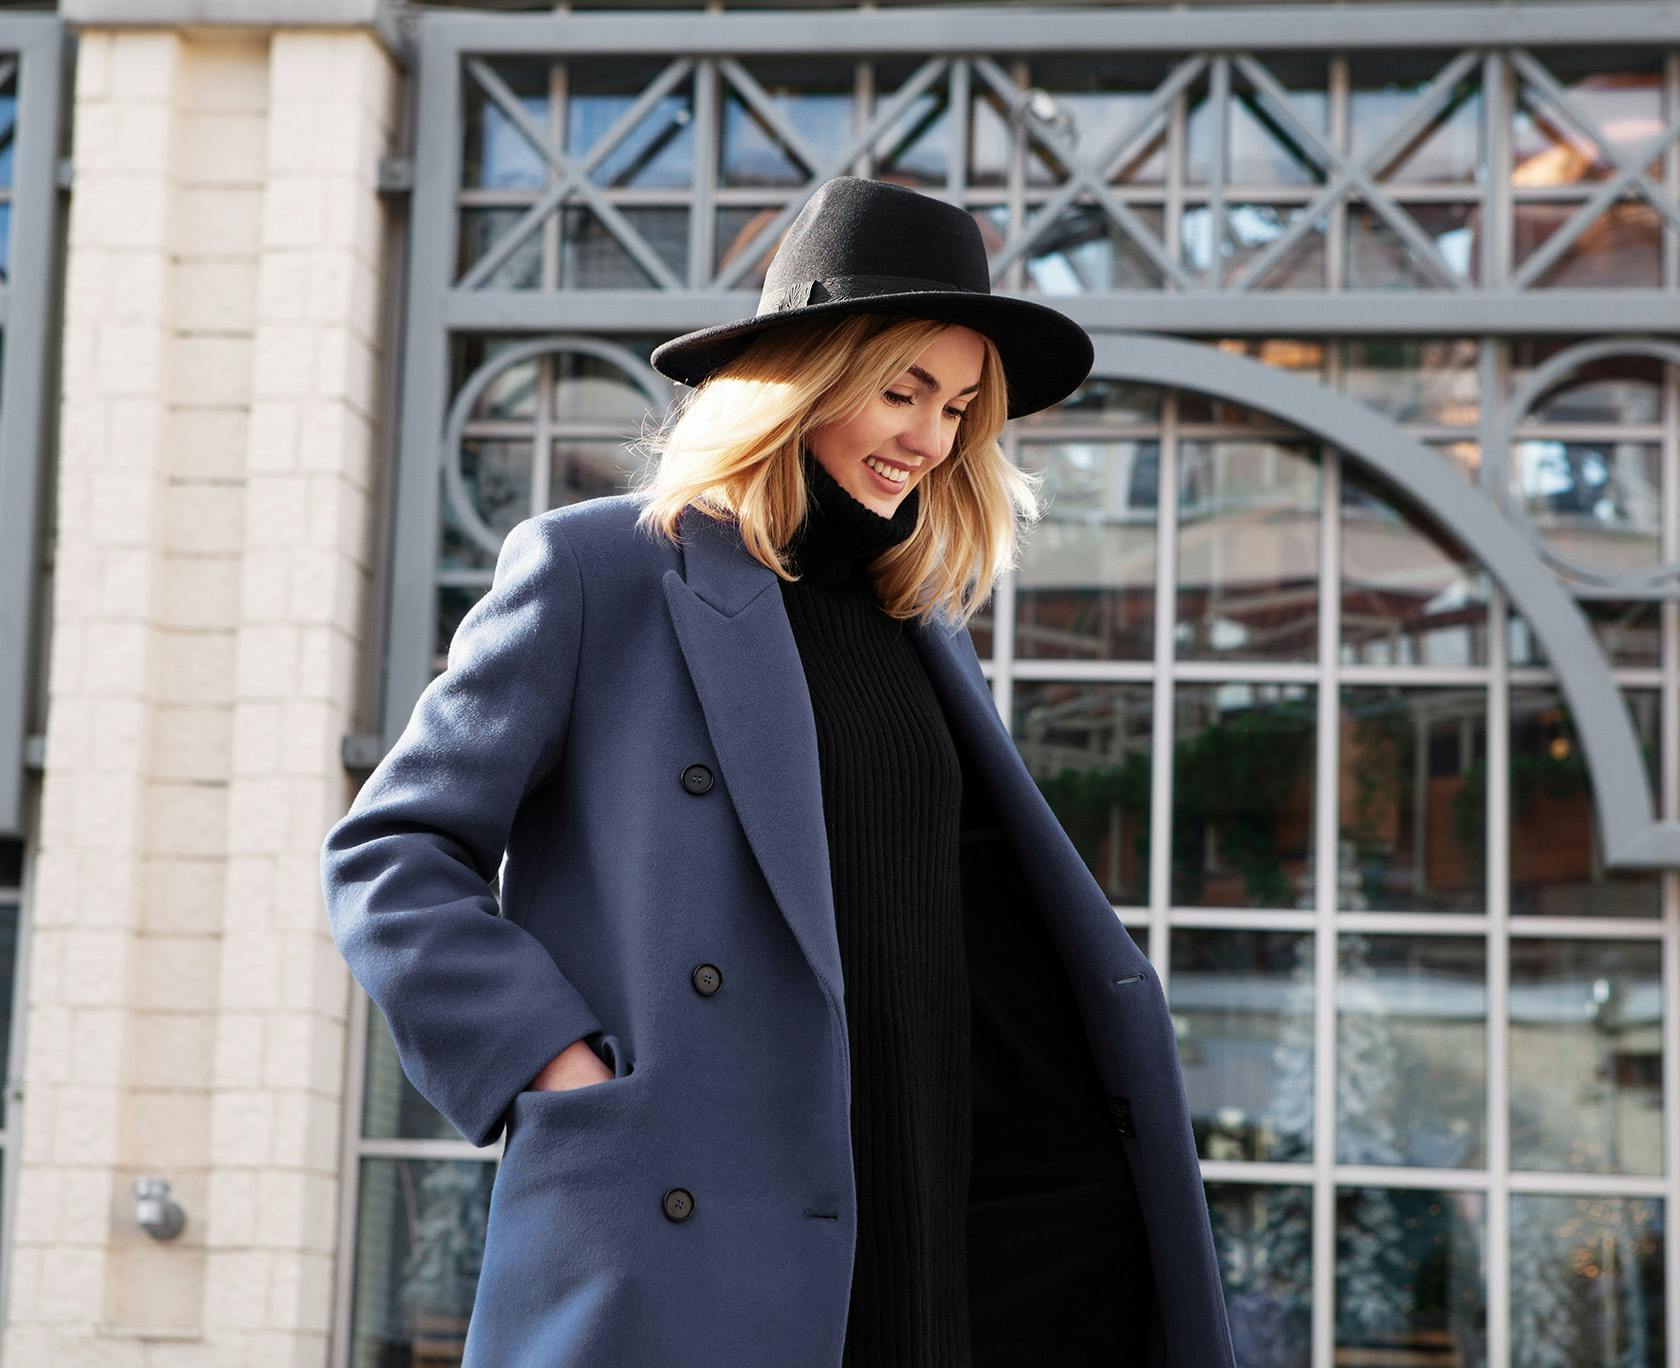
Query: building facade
(1374, 492)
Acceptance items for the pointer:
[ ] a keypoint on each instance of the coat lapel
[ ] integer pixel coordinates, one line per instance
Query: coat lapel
(735, 637)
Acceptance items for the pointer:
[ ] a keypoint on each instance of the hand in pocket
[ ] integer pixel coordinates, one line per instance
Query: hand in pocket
(576, 1066)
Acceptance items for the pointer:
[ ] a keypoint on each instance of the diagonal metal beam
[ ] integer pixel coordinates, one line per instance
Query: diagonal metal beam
(1090, 174)
(754, 94)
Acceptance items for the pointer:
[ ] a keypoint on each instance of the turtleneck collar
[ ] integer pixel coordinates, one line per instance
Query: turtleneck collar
(841, 534)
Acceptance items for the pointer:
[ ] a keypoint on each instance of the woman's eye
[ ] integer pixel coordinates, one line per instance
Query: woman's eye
(909, 398)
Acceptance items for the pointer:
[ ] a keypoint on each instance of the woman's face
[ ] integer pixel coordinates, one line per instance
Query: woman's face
(907, 429)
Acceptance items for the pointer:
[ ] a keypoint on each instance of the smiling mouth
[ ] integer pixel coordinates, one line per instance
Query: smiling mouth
(895, 475)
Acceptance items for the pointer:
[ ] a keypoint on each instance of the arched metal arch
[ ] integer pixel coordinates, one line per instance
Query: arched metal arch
(1633, 836)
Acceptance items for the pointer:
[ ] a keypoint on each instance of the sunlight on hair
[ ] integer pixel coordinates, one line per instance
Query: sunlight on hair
(731, 448)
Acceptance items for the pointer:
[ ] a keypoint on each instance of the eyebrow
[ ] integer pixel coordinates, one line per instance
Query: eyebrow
(929, 382)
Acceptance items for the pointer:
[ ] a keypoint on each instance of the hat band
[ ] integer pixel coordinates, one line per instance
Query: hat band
(846, 287)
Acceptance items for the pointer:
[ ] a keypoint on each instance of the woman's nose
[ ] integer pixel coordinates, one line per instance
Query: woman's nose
(923, 436)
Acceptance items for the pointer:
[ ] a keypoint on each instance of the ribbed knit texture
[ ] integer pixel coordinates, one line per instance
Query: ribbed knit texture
(997, 1222)
(892, 789)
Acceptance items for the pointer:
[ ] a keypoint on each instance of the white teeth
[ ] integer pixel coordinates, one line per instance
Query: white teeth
(893, 473)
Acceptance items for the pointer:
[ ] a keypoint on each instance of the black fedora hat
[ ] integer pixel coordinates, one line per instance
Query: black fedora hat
(868, 246)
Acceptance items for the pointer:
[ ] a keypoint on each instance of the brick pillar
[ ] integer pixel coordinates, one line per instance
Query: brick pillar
(186, 1010)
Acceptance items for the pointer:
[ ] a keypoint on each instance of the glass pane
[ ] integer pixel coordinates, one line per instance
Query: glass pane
(1618, 389)
(1586, 1056)
(1413, 791)
(1100, 95)
(1378, 258)
(453, 603)
(593, 257)
(497, 476)
(1556, 856)
(1242, 1005)
(1085, 249)
(814, 96)
(1410, 1286)
(512, 394)
(588, 470)
(1411, 1050)
(1597, 503)
(1102, 399)
(1620, 249)
(1086, 586)
(737, 230)
(1249, 230)
(1304, 356)
(1088, 746)
(1243, 790)
(1257, 147)
(1629, 633)
(8, 133)
(658, 152)
(1410, 593)
(495, 154)
(482, 230)
(593, 389)
(419, 1247)
(1248, 562)
(1264, 1238)
(915, 149)
(1385, 88)
(1624, 107)
(1416, 380)
(392, 1107)
(1587, 1281)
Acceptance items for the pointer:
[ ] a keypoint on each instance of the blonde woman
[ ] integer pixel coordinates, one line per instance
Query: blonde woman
(814, 1040)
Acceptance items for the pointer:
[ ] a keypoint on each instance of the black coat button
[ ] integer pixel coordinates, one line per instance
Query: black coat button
(678, 1204)
(696, 779)
(707, 979)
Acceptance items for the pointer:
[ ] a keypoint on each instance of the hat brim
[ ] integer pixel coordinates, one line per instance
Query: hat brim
(1046, 355)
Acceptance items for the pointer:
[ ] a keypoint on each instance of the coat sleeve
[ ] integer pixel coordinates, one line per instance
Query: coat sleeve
(476, 1005)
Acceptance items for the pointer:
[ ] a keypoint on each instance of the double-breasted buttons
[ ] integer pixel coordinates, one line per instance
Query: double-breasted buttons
(707, 979)
(678, 1204)
(696, 779)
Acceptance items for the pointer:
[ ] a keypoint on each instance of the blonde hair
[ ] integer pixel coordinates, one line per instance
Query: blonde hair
(731, 448)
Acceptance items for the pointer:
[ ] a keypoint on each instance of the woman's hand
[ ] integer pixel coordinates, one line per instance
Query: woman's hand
(576, 1066)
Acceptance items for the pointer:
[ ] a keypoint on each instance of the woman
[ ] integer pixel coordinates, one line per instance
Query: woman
(799, 1063)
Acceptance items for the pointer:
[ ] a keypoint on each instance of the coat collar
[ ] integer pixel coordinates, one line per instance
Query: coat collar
(740, 651)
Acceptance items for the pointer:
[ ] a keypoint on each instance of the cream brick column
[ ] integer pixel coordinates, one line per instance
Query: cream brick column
(309, 524)
(186, 1009)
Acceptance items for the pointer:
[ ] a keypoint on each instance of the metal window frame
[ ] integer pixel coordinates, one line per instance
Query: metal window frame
(40, 48)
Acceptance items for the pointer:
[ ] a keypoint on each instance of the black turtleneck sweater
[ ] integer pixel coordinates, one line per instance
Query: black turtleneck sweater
(996, 1217)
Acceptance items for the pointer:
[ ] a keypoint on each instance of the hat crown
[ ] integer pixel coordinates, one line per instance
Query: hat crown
(856, 237)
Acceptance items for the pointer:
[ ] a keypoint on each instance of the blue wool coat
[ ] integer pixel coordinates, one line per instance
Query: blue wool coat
(629, 721)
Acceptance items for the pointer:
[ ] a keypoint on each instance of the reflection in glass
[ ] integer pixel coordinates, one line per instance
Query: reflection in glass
(419, 1248)
(1628, 632)
(392, 1107)
(658, 153)
(1249, 230)
(1102, 399)
(1411, 594)
(1415, 379)
(454, 601)
(1101, 94)
(1624, 108)
(915, 149)
(1409, 1282)
(1597, 503)
(1088, 746)
(1085, 249)
(1258, 148)
(582, 469)
(1411, 798)
(1587, 1281)
(481, 231)
(1243, 791)
(1618, 389)
(1379, 258)
(1085, 589)
(1242, 1005)
(1411, 1032)
(1248, 551)
(1620, 249)
(593, 258)
(1586, 1055)
(1305, 356)
(495, 154)
(1385, 89)
(1263, 1235)
(1556, 851)
(813, 96)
